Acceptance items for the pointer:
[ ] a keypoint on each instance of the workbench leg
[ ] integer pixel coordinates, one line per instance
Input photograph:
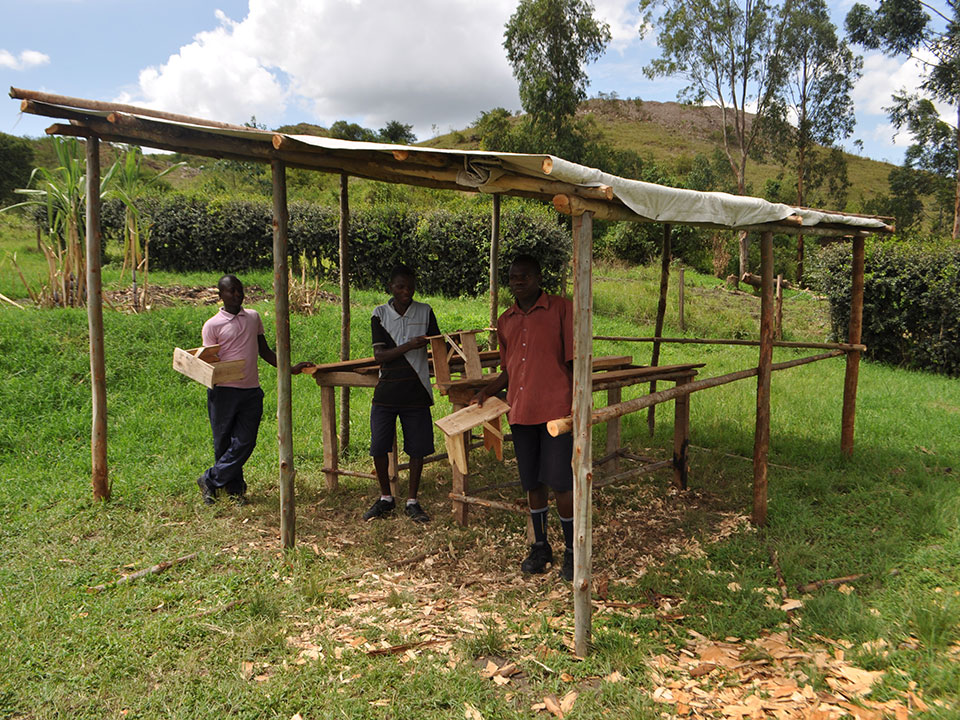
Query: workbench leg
(681, 438)
(461, 481)
(393, 461)
(613, 432)
(328, 420)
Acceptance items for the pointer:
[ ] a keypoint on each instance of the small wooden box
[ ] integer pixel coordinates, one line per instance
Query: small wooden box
(203, 365)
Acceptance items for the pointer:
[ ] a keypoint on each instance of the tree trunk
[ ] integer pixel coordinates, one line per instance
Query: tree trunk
(956, 202)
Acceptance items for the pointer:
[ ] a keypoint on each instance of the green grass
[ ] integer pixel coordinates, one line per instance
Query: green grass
(223, 634)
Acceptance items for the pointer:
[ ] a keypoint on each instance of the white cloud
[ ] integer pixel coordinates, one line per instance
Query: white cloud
(26, 60)
(623, 19)
(421, 62)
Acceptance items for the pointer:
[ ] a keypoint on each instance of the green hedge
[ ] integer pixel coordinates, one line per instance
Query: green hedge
(449, 249)
(911, 301)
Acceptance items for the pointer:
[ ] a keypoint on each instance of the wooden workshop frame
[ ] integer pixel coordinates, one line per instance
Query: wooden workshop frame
(516, 175)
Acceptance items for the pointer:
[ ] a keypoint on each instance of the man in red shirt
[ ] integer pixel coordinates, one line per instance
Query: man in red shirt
(536, 358)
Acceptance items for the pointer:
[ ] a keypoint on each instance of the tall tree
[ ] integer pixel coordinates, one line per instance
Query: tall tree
(549, 43)
(819, 78)
(397, 133)
(731, 55)
(931, 36)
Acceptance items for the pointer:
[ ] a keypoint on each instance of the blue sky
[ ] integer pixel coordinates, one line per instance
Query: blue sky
(435, 64)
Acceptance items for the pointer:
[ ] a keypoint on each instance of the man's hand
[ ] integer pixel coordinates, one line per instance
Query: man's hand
(417, 342)
(479, 398)
(300, 367)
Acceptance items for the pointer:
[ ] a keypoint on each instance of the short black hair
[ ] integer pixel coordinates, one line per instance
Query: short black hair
(228, 280)
(528, 260)
(402, 271)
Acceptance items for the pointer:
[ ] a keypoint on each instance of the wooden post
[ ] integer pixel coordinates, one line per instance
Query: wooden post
(778, 314)
(614, 396)
(681, 438)
(682, 312)
(661, 313)
(98, 372)
(281, 300)
(344, 306)
(328, 429)
(582, 442)
(854, 333)
(761, 438)
(494, 268)
(799, 260)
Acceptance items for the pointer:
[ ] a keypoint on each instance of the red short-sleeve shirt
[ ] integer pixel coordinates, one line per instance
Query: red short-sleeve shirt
(535, 348)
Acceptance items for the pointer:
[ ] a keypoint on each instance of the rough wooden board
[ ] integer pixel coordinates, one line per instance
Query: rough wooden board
(209, 374)
(472, 416)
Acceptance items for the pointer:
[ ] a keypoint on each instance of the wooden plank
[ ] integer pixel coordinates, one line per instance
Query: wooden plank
(761, 438)
(731, 341)
(99, 479)
(346, 379)
(852, 373)
(582, 436)
(472, 367)
(518, 506)
(456, 451)
(493, 437)
(441, 366)
(186, 362)
(471, 416)
(281, 299)
(461, 475)
(341, 365)
(328, 424)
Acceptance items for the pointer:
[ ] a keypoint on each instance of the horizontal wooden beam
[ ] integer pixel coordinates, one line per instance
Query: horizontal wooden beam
(848, 347)
(562, 425)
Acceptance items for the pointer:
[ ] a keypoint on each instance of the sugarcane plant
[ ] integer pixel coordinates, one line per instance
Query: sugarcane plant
(63, 193)
(130, 181)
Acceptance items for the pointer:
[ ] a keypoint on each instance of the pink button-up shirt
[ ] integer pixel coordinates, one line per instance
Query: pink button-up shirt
(237, 337)
(535, 347)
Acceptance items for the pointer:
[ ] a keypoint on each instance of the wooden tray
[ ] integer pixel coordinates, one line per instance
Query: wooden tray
(203, 365)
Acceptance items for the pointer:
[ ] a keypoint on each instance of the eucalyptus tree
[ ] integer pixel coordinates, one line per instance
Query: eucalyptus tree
(731, 55)
(549, 43)
(820, 73)
(929, 33)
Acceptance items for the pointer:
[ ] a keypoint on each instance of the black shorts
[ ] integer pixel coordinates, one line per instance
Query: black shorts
(543, 459)
(417, 424)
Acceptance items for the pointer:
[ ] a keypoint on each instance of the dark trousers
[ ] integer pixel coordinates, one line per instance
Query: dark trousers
(235, 415)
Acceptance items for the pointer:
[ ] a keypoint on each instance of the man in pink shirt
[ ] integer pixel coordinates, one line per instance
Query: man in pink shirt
(536, 359)
(235, 408)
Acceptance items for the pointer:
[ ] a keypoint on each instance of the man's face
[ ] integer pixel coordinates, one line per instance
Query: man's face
(524, 282)
(231, 293)
(402, 287)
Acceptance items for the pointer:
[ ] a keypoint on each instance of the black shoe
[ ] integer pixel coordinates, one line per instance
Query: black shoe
(566, 572)
(208, 494)
(416, 513)
(540, 555)
(380, 508)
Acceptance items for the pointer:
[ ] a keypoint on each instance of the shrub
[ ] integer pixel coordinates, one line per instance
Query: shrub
(911, 301)
(448, 248)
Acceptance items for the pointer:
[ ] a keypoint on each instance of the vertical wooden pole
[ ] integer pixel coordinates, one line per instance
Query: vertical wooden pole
(799, 260)
(328, 430)
(681, 438)
(98, 372)
(582, 436)
(281, 300)
(344, 306)
(854, 334)
(761, 438)
(661, 314)
(614, 396)
(778, 313)
(682, 310)
(494, 267)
